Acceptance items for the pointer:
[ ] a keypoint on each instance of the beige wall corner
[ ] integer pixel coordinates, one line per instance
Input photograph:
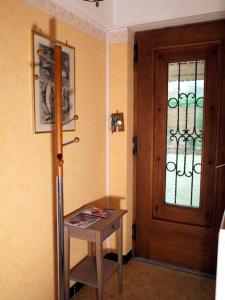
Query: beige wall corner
(120, 158)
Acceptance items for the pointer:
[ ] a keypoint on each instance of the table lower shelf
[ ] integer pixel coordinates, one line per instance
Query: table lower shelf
(86, 272)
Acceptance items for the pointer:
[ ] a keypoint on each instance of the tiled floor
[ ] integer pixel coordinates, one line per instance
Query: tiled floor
(146, 281)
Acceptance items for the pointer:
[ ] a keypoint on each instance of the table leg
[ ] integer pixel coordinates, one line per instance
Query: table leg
(99, 265)
(119, 237)
(90, 253)
(66, 261)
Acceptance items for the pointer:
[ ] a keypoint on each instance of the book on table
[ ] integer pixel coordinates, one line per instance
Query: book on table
(87, 217)
(98, 212)
(82, 220)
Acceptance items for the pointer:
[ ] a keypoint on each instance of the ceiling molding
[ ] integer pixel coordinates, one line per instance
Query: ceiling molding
(76, 21)
(101, 17)
(116, 34)
(142, 26)
(121, 36)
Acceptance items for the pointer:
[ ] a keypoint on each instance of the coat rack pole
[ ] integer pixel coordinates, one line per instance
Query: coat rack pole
(58, 167)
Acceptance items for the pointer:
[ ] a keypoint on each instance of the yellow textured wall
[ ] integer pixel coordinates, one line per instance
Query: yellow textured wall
(26, 191)
(120, 158)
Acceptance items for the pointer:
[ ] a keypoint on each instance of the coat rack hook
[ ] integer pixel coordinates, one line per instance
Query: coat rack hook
(75, 140)
(74, 118)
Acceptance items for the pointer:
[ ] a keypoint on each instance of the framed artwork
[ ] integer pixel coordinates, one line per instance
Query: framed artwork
(43, 67)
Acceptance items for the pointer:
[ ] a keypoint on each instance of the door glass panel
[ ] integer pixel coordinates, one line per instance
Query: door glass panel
(184, 132)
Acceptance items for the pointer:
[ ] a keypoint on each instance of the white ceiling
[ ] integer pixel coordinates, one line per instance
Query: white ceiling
(101, 16)
(145, 11)
(144, 14)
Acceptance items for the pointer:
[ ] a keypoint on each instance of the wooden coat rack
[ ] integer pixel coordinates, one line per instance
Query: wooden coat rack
(58, 161)
(58, 167)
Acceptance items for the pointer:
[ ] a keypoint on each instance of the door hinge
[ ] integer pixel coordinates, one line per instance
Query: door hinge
(134, 232)
(135, 145)
(136, 53)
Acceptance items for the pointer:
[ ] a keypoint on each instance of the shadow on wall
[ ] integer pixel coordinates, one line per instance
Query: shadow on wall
(52, 35)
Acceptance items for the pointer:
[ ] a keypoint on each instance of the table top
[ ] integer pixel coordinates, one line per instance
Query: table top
(100, 225)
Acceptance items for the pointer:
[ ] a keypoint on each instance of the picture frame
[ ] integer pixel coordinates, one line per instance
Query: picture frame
(43, 74)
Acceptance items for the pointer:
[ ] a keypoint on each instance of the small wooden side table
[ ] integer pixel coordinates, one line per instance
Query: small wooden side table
(94, 270)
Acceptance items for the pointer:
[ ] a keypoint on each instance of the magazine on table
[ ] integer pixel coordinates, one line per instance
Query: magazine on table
(82, 220)
(98, 212)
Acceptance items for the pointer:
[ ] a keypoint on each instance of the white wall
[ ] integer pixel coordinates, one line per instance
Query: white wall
(129, 12)
(220, 276)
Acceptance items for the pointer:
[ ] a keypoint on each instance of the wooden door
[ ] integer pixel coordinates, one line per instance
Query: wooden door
(180, 132)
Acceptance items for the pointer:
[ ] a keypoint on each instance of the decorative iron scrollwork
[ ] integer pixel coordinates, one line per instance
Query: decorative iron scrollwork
(186, 136)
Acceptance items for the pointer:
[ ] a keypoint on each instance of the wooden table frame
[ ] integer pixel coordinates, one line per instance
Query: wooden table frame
(94, 271)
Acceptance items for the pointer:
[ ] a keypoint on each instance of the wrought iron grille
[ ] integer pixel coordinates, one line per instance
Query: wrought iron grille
(184, 133)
